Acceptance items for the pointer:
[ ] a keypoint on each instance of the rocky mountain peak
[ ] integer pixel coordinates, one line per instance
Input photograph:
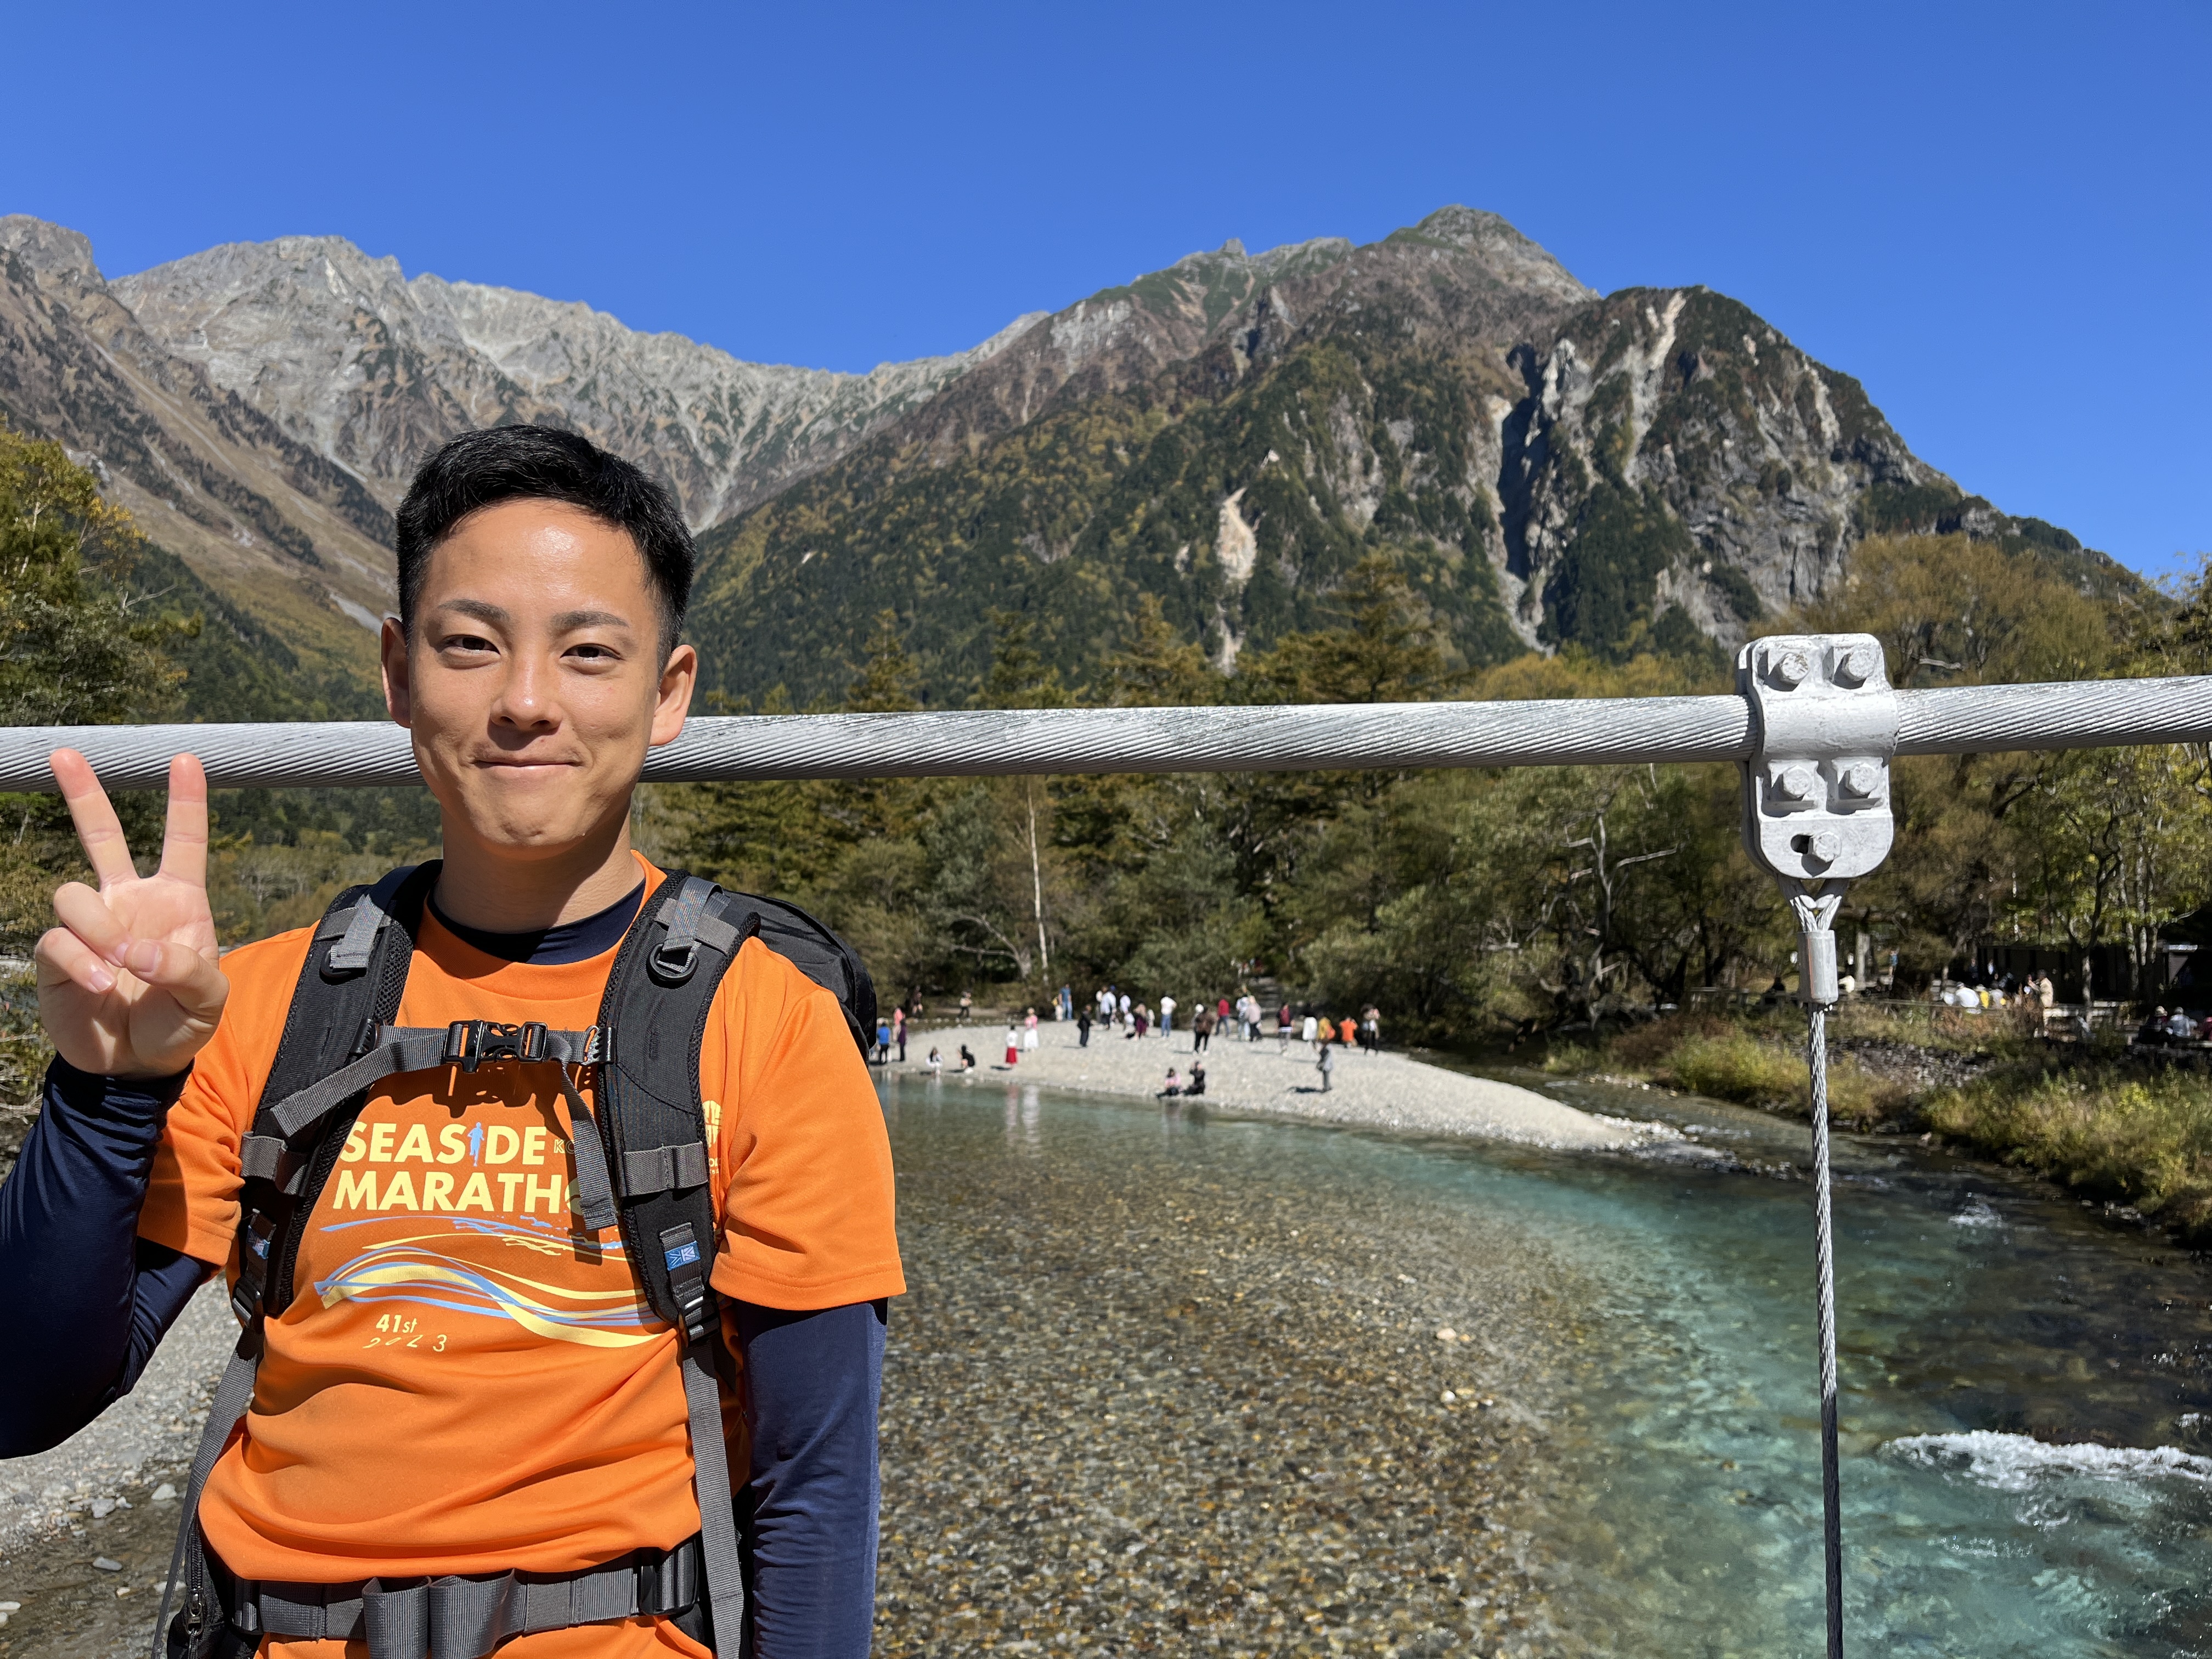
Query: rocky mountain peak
(49, 248)
(1511, 255)
(375, 369)
(1229, 274)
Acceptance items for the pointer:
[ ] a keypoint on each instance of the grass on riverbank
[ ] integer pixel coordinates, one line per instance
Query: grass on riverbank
(1754, 1059)
(2136, 1130)
(2105, 1129)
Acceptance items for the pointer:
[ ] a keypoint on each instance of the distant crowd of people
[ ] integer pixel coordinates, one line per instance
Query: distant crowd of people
(1987, 990)
(2164, 1027)
(1112, 1009)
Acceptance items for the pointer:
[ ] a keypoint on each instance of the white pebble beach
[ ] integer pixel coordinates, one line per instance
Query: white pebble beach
(1269, 1078)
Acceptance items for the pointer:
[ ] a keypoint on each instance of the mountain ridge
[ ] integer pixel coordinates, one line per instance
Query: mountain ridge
(379, 368)
(1652, 468)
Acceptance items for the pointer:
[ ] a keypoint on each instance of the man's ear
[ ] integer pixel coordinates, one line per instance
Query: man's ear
(679, 677)
(391, 646)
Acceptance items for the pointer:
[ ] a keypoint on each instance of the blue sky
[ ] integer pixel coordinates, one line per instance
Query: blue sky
(1996, 216)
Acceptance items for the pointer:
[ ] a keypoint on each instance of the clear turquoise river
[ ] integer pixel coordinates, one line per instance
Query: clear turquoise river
(2026, 1400)
(2028, 1385)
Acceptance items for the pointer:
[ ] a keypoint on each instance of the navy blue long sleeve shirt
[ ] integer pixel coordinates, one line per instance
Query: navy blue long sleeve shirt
(80, 1288)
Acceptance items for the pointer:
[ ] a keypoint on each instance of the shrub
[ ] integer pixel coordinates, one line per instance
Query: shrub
(1736, 1065)
(1708, 1055)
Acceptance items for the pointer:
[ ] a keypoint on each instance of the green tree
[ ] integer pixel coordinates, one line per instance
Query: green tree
(1385, 647)
(78, 647)
(1950, 611)
(2110, 846)
(1156, 667)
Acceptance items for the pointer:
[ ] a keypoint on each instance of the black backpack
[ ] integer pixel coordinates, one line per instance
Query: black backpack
(642, 1162)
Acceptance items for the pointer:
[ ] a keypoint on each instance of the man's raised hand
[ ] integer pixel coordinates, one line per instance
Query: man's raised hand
(127, 984)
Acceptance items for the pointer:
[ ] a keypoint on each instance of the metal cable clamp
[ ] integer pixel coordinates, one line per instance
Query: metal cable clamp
(1816, 789)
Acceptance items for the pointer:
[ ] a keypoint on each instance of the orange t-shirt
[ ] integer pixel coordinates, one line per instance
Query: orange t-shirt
(467, 1381)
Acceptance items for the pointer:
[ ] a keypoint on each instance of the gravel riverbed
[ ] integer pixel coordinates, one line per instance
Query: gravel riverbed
(1167, 1384)
(85, 1529)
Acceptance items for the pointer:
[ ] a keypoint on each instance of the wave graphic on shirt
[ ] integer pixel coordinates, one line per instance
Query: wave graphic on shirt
(414, 1269)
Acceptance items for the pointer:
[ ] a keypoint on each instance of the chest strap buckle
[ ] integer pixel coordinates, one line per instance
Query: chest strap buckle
(469, 1043)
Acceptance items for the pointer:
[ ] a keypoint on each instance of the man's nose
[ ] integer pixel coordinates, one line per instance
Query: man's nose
(525, 694)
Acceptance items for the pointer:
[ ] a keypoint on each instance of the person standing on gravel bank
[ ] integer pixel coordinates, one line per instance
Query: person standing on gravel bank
(444, 1430)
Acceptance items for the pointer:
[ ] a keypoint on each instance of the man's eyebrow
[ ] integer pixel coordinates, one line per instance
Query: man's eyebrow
(562, 622)
(565, 620)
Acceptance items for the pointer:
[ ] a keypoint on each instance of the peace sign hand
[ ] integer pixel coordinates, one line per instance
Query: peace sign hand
(127, 985)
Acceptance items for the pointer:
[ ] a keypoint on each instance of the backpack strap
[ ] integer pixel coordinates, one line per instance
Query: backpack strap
(350, 983)
(654, 1016)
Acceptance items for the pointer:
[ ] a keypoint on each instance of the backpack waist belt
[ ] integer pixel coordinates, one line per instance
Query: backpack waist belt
(458, 1618)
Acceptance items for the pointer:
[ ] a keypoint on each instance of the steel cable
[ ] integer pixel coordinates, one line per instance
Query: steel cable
(1971, 720)
(979, 743)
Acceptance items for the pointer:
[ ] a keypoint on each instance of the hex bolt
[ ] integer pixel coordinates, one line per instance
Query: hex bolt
(1862, 781)
(1855, 666)
(1799, 782)
(1826, 846)
(1788, 669)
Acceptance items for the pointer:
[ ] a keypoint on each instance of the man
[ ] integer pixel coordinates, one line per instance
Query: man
(475, 1386)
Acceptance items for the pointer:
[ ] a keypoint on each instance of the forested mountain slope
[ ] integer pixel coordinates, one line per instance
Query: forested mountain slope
(1656, 470)
(297, 550)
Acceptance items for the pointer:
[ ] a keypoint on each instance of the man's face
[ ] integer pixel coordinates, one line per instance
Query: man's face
(533, 682)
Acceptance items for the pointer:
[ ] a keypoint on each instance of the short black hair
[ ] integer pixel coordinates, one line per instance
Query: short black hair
(542, 463)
